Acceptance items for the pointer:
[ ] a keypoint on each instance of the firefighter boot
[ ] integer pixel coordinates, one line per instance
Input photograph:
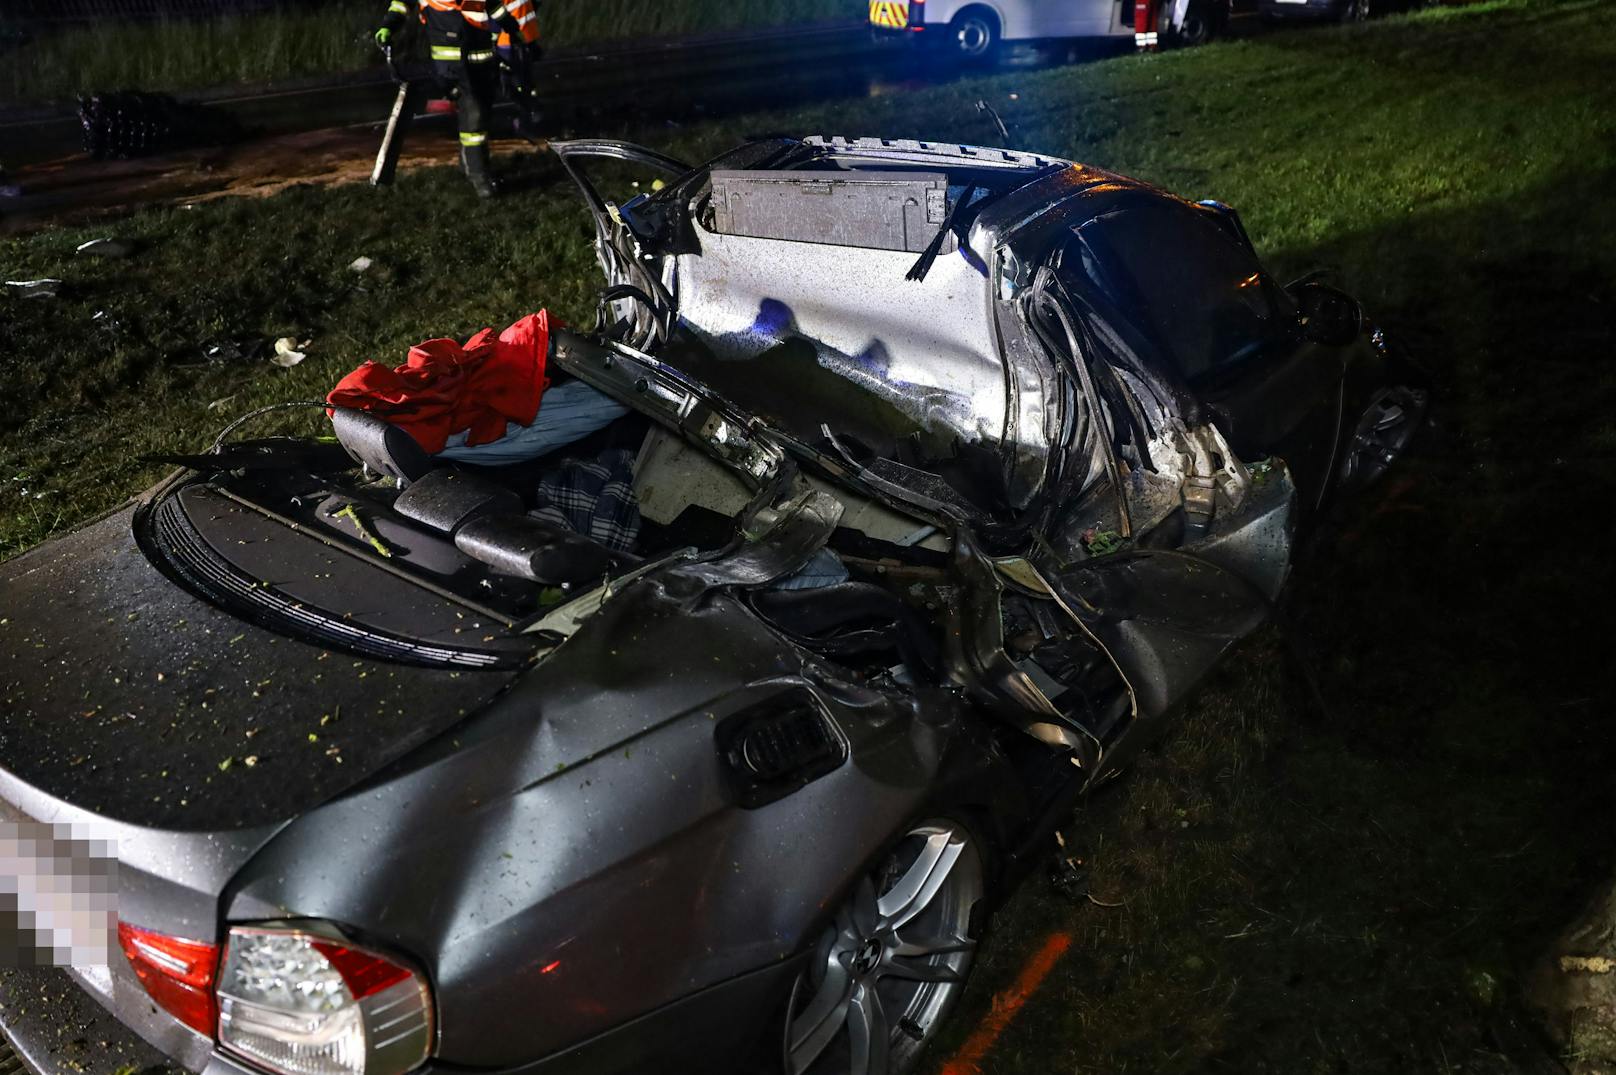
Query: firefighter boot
(474, 159)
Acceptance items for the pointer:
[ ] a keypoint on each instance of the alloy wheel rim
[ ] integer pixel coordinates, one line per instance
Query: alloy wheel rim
(894, 960)
(1383, 433)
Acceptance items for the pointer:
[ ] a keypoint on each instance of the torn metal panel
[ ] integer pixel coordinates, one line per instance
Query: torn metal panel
(1166, 617)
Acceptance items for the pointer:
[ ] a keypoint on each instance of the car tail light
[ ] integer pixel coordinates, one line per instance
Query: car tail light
(302, 1003)
(176, 972)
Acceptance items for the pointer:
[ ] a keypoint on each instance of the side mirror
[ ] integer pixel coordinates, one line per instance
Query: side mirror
(1328, 316)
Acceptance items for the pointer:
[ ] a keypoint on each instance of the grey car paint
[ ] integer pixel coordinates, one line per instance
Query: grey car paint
(569, 859)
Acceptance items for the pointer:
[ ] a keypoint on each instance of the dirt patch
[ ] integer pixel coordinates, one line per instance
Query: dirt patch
(77, 189)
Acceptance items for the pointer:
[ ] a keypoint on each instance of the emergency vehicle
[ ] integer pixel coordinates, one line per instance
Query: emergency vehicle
(973, 29)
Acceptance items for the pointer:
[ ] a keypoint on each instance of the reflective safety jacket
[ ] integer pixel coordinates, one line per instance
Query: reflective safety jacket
(462, 31)
(526, 13)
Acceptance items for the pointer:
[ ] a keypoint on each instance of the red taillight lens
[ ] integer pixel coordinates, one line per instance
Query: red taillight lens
(363, 972)
(178, 973)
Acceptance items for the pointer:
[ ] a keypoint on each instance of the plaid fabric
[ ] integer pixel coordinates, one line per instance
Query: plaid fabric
(593, 496)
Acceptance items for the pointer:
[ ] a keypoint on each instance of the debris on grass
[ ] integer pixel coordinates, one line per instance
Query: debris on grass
(289, 352)
(106, 248)
(360, 264)
(229, 352)
(35, 289)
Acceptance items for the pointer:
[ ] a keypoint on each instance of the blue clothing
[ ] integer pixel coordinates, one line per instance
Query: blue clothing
(568, 412)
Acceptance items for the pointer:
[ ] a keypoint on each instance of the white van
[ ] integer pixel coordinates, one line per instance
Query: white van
(974, 29)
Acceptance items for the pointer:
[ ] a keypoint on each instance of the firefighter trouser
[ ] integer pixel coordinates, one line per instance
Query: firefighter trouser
(1146, 14)
(473, 84)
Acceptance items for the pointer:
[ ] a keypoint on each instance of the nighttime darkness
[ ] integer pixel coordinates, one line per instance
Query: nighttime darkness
(812, 537)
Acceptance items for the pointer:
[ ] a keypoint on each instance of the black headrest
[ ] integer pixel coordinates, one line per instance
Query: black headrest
(532, 549)
(448, 499)
(384, 448)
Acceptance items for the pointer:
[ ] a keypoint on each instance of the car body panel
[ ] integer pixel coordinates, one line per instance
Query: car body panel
(1020, 20)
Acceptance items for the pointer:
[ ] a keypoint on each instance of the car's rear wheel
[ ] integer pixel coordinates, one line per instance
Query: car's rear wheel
(893, 962)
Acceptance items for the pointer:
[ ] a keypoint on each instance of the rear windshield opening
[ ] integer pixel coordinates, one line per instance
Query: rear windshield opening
(1183, 281)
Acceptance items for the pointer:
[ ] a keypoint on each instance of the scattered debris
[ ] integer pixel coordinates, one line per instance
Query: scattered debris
(288, 352)
(228, 352)
(1069, 877)
(106, 248)
(1102, 542)
(360, 264)
(35, 289)
(1004, 132)
(365, 532)
(218, 404)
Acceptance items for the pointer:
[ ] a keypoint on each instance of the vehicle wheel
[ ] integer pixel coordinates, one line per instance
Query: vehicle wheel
(975, 35)
(1382, 435)
(893, 962)
(1197, 29)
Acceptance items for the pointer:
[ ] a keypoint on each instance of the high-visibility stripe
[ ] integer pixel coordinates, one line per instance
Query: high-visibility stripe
(397, 8)
(472, 138)
(447, 53)
(498, 12)
(480, 56)
(891, 14)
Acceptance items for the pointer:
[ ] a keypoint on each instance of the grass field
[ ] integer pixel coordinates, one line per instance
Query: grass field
(177, 55)
(1354, 880)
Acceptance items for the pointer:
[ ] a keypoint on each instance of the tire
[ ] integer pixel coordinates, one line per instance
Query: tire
(893, 962)
(974, 36)
(1200, 26)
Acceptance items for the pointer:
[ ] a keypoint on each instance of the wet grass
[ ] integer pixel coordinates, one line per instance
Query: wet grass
(1350, 851)
(187, 54)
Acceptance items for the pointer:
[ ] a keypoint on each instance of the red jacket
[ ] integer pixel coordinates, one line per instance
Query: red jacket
(444, 388)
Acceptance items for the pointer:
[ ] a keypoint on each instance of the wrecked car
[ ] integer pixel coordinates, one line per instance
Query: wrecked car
(399, 776)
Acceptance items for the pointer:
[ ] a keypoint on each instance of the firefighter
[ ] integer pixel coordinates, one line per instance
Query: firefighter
(460, 36)
(1146, 13)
